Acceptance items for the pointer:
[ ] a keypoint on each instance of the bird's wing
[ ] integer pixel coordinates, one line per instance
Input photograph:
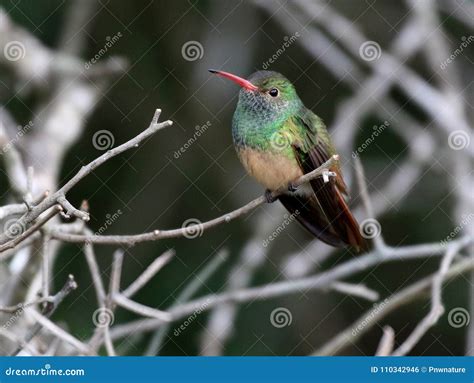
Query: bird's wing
(331, 216)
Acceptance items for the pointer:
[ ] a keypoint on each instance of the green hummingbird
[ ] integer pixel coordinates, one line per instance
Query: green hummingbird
(278, 140)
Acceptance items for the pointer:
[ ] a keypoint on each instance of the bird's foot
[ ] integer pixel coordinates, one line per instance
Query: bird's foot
(269, 196)
(292, 187)
(327, 174)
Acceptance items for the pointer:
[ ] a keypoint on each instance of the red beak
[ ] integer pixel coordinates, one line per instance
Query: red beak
(238, 80)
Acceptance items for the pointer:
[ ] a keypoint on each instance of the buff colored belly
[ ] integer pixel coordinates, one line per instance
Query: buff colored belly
(272, 170)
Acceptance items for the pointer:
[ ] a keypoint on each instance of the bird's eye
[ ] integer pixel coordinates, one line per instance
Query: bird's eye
(273, 92)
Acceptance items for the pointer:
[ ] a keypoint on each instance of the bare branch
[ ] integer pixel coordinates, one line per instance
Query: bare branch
(356, 290)
(387, 342)
(373, 316)
(47, 311)
(177, 233)
(24, 234)
(437, 308)
(71, 210)
(191, 289)
(141, 309)
(149, 273)
(317, 282)
(85, 170)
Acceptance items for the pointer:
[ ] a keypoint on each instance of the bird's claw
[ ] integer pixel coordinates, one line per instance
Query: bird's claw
(327, 174)
(269, 196)
(292, 187)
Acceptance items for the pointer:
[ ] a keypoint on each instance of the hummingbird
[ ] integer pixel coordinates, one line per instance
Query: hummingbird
(278, 140)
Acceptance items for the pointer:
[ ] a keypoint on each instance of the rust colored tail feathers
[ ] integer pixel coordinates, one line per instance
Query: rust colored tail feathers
(326, 215)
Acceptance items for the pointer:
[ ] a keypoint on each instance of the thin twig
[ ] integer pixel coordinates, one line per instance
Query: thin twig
(356, 290)
(138, 308)
(95, 273)
(45, 266)
(364, 195)
(188, 292)
(48, 310)
(116, 275)
(70, 210)
(437, 308)
(386, 343)
(149, 273)
(31, 230)
(51, 200)
(370, 318)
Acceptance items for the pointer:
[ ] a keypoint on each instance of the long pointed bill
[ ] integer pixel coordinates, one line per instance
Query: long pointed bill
(238, 80)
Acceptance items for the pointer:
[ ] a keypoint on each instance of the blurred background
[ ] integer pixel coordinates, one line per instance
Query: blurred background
(392, 80)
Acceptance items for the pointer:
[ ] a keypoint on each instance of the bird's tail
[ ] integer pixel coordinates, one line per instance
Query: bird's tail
(326, 215)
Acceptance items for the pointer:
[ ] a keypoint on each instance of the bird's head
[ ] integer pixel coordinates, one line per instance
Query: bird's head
(265, 94)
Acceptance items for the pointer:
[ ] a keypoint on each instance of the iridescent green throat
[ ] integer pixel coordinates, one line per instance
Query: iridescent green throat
(256, 123)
